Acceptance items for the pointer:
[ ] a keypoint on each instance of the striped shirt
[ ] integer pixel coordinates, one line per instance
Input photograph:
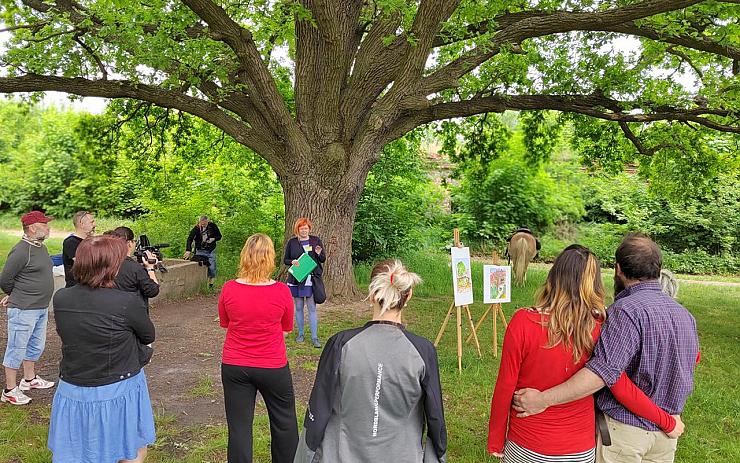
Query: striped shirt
(653, 339)
(516, 454)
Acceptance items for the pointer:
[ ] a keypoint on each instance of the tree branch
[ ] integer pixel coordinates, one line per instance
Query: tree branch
(641, 148)
(239, 39)
(325, 47)
(92, 54)
(539, 26)
(165, 98)
(596, 106)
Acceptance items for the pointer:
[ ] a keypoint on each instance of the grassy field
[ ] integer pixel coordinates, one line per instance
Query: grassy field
(712, 413)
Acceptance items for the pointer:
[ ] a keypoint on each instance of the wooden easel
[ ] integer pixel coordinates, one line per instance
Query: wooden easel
(497, 312)
(459, 320)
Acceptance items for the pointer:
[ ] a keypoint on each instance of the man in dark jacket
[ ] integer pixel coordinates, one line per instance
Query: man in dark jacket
(28, 281)
(204, 236)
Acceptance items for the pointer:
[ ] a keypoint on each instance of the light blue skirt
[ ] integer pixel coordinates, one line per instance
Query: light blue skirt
(102, 424)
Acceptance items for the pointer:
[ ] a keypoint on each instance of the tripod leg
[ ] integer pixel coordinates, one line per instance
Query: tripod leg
(459, 339)
(495, 335)
(474, 334)
(444, 325)
(503, 316)
(477, 325)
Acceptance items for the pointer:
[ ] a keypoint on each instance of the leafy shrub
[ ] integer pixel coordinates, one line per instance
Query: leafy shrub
(507, 194)
(399, 205)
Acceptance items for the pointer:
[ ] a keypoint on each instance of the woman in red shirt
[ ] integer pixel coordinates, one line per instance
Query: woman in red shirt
(543, 347)
(257, 313)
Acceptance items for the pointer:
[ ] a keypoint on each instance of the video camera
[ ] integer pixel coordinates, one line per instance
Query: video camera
(143, 245)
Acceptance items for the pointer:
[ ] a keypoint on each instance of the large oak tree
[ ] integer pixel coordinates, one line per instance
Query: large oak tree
(360, 73)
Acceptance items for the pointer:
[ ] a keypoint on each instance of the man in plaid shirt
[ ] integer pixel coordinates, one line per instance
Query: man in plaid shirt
(648, 335)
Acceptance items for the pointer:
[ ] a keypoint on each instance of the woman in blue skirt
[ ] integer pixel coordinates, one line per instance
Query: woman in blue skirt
(101, 411)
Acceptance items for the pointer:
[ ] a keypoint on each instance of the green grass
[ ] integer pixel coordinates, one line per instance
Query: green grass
(204, 388)
(712, 414)
(54, 245)
(13, 222)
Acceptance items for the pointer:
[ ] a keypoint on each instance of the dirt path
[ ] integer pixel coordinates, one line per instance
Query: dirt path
(184, 375)
(19, 233)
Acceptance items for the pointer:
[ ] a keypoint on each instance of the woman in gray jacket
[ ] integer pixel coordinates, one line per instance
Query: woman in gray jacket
(377, 387)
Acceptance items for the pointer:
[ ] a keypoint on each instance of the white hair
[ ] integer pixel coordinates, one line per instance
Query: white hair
(669, 283)
(391, 285)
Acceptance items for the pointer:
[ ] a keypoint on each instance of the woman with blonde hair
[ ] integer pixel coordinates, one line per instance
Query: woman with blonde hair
(257, 313)
(545, 345)
(377, 387)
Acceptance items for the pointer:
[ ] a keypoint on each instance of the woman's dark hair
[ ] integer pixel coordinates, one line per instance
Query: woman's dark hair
(639, 257)
(122, 232)
(98, 260)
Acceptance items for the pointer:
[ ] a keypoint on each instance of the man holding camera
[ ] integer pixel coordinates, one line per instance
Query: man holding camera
(204, 235)
(84, 223)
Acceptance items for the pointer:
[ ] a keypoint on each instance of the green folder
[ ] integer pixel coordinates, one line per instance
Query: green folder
(305, 266)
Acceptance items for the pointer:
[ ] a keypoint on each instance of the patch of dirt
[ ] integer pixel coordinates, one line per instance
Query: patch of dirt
(187, 354)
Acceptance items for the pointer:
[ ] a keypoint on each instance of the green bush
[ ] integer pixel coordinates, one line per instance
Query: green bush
(399, 207)
(508, 193)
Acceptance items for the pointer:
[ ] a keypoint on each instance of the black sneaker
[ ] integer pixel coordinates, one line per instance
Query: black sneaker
(316, 343)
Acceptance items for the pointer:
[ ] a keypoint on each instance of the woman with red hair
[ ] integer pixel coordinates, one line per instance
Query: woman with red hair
(302, 291)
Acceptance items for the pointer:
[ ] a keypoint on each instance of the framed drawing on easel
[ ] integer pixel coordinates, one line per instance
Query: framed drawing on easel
(462, 285)
(462, 277)
(496, 284)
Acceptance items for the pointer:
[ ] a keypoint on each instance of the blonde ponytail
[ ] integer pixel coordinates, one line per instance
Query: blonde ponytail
(391, 285)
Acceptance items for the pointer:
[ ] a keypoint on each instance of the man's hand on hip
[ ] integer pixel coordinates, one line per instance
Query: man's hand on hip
(529, 402)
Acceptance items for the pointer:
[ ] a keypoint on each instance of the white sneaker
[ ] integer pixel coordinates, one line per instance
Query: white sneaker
(15, 397)
(36, 383)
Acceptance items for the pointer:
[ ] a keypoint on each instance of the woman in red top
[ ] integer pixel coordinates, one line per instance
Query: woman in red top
(257, 313)
(543, 347)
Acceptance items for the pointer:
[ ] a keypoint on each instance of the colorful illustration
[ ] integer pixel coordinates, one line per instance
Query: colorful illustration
(496, 284)
(462, 279)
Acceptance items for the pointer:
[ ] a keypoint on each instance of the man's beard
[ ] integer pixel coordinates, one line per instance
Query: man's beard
(619, 285)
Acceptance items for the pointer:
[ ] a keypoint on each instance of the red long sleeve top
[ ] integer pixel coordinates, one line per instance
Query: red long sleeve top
(255, 317)
(526, 361)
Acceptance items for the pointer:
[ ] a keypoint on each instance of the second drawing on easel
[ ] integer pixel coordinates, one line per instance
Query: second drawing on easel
(462, 279)
(496, 284)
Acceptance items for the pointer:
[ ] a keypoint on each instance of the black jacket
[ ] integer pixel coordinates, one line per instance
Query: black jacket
(133, 278)
(294, 250)
(104, 333)
(195, 238)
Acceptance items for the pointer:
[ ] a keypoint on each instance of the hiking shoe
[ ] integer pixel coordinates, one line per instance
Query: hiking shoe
(15, 397)
(36, 383)
(299, 338)
(316, 343)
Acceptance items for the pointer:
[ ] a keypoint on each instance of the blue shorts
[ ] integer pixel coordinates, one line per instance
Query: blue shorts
(26, 336)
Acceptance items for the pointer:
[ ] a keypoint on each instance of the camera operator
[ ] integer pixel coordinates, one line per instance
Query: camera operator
(133, 276)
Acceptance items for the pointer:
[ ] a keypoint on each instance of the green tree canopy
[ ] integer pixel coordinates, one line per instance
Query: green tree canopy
(354, 75)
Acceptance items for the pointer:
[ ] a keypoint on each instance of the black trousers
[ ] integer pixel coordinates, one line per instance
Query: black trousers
(275, 385)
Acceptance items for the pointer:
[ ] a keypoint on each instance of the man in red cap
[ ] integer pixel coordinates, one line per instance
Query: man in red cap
(28, 283)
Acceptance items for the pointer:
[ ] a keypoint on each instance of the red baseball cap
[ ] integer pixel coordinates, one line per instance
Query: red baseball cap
(33, 217)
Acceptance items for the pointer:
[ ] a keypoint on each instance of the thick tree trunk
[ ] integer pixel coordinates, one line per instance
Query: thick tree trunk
(327, 194)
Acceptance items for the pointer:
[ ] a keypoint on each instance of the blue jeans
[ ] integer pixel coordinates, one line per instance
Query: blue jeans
(26, 336)
(313, 319)
(211, 261)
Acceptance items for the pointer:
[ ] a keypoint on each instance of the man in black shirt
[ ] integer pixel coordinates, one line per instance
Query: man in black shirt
(84, 223)
(204, 236)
